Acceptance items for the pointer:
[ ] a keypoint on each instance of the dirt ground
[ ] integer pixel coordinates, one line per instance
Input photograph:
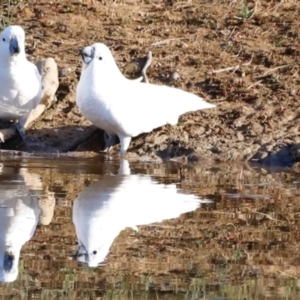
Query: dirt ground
(241, 55)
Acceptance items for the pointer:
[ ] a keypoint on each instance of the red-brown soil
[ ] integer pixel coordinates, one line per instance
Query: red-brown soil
(242, 56)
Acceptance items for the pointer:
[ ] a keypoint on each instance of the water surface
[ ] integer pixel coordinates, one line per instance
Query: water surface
(73, 228)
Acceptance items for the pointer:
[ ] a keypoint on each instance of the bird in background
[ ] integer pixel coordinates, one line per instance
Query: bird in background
(125, 107)
(20, 80)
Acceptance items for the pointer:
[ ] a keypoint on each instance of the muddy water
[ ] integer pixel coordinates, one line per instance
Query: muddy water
(86, 228)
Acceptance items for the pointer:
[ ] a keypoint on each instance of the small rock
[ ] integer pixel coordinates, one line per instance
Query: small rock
(63, 72)
(49, 116)
(240, 136)
(175, 76)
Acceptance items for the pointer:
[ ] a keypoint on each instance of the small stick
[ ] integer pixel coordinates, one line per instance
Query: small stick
(231, 33)
(276, 6)
(263, 214)
(237, 55)
(286, 274)
(254, 84)
(225, 69)
(166, 41)
(250, 61)
(233, 1)
(270, 71)
(254, 11)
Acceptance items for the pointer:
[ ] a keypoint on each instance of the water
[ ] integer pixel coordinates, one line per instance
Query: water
(73, 228)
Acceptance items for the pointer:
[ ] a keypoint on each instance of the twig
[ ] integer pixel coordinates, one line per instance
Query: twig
(263, 214)
(231, 32)
(233, 1)
(276, 6)
(254, 11)
(267, 31)
(237, 55)
(233, 69)
(225, 69)
(250, 61)
(111, 38)
(286, 274)
(254, 84)
(166, 41)
(184, 5)
(270, 71)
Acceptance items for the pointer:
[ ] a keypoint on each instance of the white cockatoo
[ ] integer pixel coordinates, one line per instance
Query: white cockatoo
(125, 107)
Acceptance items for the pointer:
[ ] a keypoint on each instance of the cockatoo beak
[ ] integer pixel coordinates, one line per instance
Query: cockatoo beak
(14, 46)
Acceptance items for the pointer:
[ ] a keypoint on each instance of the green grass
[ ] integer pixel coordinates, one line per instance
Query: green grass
(7, 11)
(245, 11)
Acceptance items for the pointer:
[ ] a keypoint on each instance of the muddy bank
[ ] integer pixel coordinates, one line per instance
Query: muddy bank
(242, 57)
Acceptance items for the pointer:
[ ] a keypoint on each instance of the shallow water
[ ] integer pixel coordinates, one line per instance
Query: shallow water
(110, 229)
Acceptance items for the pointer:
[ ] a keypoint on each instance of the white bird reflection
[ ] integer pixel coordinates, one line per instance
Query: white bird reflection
(20, 210)
(106, 207)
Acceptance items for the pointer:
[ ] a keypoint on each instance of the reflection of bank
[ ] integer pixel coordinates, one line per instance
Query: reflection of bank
(22, 204)
(106, 207)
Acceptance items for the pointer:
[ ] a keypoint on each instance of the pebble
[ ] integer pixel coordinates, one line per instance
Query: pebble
(175, 76)
(63, 72)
